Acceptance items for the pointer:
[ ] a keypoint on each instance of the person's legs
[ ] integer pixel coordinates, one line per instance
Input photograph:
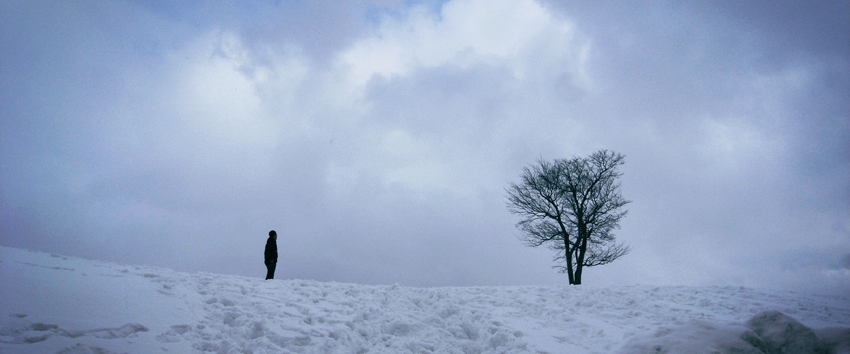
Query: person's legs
(270, 273)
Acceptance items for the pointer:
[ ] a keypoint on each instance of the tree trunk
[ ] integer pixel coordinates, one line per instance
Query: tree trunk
(568, 252)
(582, 249)
(579, 266)
(569, 257)
(579, 263)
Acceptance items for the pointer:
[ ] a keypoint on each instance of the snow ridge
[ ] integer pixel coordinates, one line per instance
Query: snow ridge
(56, 304)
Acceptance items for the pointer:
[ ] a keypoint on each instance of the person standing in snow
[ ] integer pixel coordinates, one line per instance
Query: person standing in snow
(271, 254)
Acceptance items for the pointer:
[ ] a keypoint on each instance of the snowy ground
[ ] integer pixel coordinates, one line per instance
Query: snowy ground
(56, 304)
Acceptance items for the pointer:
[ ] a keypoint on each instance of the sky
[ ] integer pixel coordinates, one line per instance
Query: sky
(378, 137)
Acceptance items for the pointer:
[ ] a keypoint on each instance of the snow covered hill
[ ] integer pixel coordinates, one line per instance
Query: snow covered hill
(56, 304)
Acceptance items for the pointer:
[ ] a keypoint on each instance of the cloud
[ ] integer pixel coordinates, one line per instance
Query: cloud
(465, 34)
(377, 138)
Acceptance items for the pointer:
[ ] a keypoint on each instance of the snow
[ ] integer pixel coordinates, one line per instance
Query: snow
(57, 304)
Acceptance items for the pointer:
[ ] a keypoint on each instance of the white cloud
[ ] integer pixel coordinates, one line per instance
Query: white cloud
(394, 146)
(518, 37)
(521, 35)
(216, 96)
(410, 162)
(730, 146)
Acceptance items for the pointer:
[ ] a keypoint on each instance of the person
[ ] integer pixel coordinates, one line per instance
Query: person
(271, 254)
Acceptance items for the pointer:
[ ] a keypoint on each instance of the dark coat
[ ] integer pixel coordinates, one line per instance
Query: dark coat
(271, 250)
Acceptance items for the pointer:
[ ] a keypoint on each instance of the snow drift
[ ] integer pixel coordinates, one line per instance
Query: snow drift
(56, 304)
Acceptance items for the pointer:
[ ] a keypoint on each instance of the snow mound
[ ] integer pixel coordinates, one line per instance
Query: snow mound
(784, 335)
(56, 304)
(769, 332)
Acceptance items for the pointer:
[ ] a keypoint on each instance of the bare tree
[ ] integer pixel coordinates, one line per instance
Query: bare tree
(572, 206)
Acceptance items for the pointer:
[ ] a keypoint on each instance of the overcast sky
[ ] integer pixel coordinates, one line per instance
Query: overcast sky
(378, 137)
